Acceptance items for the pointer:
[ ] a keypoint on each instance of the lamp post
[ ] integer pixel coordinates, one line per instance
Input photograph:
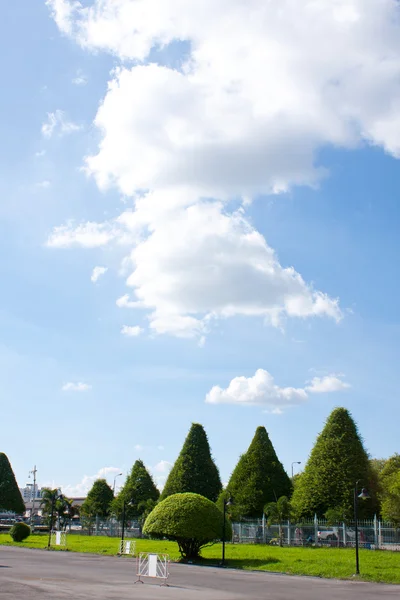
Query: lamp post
(364, 495)
(33, 498)
(114, 482)
(227, 502)
(55, 496)
(296, 462)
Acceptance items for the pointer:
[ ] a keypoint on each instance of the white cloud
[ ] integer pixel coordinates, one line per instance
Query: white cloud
(246, 115)
(131, 331)
(261, 390)
(40, 153)
(80, 78)
(124, 302)
(76, 387)
(329, 383)
(257, 390)
(162, 467)
(81, 489)
(87, 235)
(97, 273)
(58, 123)
(138, 447)
(190, 269)
(43, 184)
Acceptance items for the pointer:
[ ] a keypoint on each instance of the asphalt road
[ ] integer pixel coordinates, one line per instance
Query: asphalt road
(38, 574)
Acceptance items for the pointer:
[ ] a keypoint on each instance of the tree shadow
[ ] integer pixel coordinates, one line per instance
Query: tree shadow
(243, 563)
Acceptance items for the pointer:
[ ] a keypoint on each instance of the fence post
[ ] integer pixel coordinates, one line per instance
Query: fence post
(289, 540)
(263, 530)
(379, 535)
(315, 528)
(344, 533)
(376, 532)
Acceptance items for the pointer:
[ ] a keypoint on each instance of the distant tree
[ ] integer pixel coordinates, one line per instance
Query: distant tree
(194, 470)
(189, 519)
(278, 512)
(139, 493)
(337, 461)
(10, 496)
(388, 490)
(56, 504)
(391, 499)
(258, 478)
(98, 501)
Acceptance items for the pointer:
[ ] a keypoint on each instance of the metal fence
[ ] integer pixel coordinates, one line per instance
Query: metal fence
(372, 534)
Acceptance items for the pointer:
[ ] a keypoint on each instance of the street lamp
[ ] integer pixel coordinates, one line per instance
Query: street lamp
(55, 496)
(227, 502)
(296, 462)
(364, 495)
(114, 482)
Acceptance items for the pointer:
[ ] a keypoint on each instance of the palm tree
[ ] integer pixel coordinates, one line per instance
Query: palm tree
(278, 511)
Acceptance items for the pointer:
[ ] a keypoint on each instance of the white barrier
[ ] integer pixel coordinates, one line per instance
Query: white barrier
(152, 565)
(58, 538)
(127, 547)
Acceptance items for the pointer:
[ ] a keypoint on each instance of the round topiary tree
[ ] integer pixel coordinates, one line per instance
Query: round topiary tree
(188, 519)
(20, 531)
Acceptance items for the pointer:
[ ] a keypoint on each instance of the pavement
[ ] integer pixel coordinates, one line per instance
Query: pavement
(39, 574)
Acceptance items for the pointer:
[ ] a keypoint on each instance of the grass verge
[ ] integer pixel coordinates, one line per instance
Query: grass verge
(378, 566)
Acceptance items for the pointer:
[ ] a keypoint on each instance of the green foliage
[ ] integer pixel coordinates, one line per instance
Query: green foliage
(391, 498)
(20, 531)
(56, 507)
(189, 519)
(139, 494)
(337, 461)
(10, 496)
(277, 512)
(257, 479)
(98, 501)
(194, 469)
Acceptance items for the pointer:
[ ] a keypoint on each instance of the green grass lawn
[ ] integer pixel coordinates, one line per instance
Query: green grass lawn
(381, 566)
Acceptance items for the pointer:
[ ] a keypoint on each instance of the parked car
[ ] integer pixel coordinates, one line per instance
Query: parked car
(328, 535)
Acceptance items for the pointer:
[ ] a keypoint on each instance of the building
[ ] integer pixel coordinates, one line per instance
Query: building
(27, 492)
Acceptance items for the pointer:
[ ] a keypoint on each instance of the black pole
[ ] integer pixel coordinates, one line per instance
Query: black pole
(356, 526)
(123, 521)
(223, 536)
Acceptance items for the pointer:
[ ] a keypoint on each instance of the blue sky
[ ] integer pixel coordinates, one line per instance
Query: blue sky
(214, 166)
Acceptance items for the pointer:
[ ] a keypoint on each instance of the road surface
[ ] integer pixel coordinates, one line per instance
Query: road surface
(41, 575)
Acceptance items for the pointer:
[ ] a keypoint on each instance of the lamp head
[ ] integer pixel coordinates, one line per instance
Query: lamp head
(364, 494)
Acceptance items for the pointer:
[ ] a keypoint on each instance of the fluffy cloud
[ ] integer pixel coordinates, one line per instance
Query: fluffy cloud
(190, 269)
(58, 123)
(81, 489)
(131, 331)
(329, 383)
(97, 273)
(262, 390)
(264, 86)
(162, 467)
(76, 387)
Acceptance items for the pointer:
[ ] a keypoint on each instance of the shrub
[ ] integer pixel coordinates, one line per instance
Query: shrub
(188, 519)
(20, 531)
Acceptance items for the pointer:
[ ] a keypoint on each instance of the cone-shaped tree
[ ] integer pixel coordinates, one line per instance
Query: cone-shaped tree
(10, 496)
(194, 469)
(98, 500)
(258, 478)
(139, 493)
(337, 461)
